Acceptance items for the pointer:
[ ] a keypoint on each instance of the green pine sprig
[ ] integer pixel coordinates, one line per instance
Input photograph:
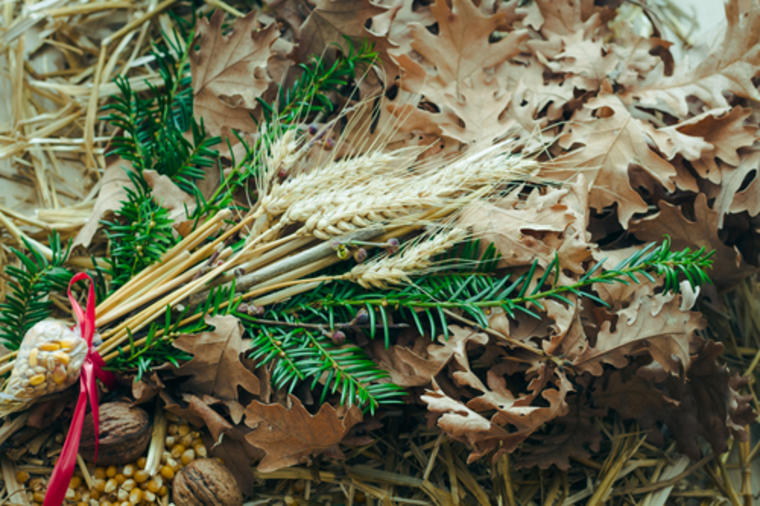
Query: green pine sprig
(30, 285)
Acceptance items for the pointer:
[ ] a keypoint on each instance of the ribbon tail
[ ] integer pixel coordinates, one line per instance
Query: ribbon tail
(64, 468)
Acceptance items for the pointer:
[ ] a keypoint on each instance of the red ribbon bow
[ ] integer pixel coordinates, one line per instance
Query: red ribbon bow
(91, 368)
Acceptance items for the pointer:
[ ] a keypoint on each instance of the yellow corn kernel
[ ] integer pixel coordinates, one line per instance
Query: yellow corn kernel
(172, 429)
(33, 357)
(164, 490)
(99, 484)
(154, 485)
(75, 481)
(67, 344)
(22, 476)
(128, 471)
(122, 495)
(167, 472)
(200, 450)
(149, 496)
(59, 375)
(177, 451)
(70, 494)
(187, 457)
(187, 440)
(82, 503)
(141, 476)
(184, 429)
(99, 472)
(111, 471)
(38, 496)
(95, 494)
(49, 346)
(129, 484)
(141, 462)
(37, 379)
(135, 496)
(170, 441)
(62, 357)
(111, 486)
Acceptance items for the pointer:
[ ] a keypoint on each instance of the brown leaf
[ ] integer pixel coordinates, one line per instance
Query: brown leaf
(702, 231)
(112, 192)
(330, 21)
(610, 141)
(468, 95)
(704, 403)
(289, 435)
(216, 368)
(169, 195)
(536, 227)
(230, 72)
(198, 412)
(653, 324)
(729, 68)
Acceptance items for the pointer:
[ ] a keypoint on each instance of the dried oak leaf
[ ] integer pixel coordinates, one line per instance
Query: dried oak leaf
(704, 403)
(496, 418)
(702, 231)
(606, 140)
(545, 222)
(652, 324)
(230, 72)
(216, 368)
(330, 21)
(575, 435)
(729, 68)
(466, 96)
(290, 434)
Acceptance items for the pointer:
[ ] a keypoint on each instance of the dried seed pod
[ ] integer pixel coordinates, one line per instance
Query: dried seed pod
(206, 482)
(124, 434)
(48, 361)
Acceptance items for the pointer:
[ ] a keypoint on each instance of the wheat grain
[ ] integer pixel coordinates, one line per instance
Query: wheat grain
(395, 269)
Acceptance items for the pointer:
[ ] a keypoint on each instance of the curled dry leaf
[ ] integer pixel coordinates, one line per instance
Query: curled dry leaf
(704, 403)
(701, 231)
(728, 68)
(652, 324)
(495, 418)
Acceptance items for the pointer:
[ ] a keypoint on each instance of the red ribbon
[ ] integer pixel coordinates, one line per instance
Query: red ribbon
(92, 368)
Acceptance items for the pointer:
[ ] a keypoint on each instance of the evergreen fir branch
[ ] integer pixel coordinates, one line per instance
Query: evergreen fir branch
(30, 285)
(302, 353)
(153, 124)
(430, 299)
(140, 233)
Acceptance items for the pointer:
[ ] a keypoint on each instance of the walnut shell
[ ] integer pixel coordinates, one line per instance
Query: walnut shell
(206, 482)
(124, 434)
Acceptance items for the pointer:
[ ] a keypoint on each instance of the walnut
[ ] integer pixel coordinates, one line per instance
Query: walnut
(206, 482)
(124, 434)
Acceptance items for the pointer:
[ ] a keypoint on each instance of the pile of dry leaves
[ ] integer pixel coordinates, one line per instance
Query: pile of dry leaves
(645, 146)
